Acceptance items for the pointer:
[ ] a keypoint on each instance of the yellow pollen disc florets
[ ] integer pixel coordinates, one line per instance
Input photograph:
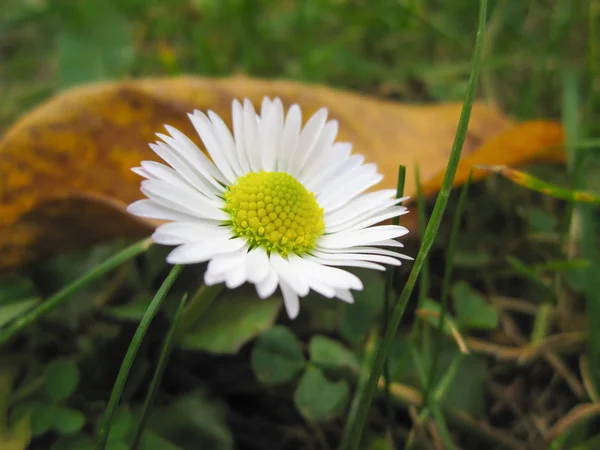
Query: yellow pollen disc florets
(273, 210)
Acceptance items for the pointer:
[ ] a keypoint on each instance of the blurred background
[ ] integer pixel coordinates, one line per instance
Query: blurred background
(412, 50)
(511, 262)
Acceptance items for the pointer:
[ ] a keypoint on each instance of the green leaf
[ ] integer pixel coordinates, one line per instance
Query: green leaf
(467, 390)
(114, 444)
(133, 310)
(471, 309)
(77, 442)
(368, 303)
(16, 289)
(61, 379)
(331, 354)
(96, 45)
(18, 436)
(67, 420)
(277, 356)
(153, 441)
(318, 398)
(40, 415)
(194, 421)
(11, 311)
(121, 427)
(539, 219)
(230, 323)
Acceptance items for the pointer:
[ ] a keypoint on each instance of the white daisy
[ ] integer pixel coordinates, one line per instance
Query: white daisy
(278, 205)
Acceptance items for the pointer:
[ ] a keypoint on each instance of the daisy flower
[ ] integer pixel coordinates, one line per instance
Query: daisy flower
(279, 205)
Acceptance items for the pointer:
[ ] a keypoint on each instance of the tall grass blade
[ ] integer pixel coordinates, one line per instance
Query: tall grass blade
(65, 293)
(165, 353)
(437, 343)
(358, 415)
(134, 346)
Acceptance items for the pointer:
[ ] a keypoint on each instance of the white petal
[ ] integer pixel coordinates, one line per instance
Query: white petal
(286, 273)
(237, 276)
(321, 152)
(201, 252)
(308, 140)
(289, 138)
(189, 152)
(257, 265)
(152, 210)
(361, 237)
(362, 207)
(266, 287)
(290, 299)
(359, 256)
(225, 141)
(348, 263)
(183, 199)
(368, 250)
(176, 233)
(159, 171)
(269, 130)
(141, 172)
(331, 276)
(184, 169)
(315, 282)
(335, 158)
(251, 136)
(325, 183)
(221, 264)
(344, 295)
(206, 132)
(387, 243)
(211, 278)
(239, 137)
(265, 106)
(367, 221)
(347, 190)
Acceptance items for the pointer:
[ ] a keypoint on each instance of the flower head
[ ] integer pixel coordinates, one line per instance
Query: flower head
(278, 205)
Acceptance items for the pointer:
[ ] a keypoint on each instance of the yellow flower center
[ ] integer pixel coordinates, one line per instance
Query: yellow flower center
(273, 210)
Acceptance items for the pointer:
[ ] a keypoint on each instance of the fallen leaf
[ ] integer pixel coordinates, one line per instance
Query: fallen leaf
(65, 166)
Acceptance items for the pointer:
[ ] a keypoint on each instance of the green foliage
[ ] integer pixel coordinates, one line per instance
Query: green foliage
(277, 356)
(60, 379)
(331, 354)
(319, 398)
(193, 421)
(472, 311)
(17, 296)
(368, 304)
(230, 323)
(96, 44)
(49, 45)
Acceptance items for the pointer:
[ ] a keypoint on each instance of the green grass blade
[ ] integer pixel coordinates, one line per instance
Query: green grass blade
(437, 343)
(158, 375)
(65, 293)
(535, 184)
(389, 281)
(134, 346)
(357, 418)
(589, 242)
(424, 276)
(440, 420)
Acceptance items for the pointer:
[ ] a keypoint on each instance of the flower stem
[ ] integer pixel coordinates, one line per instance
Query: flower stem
(134, 346)
(158, 374)
(357, 418)
(65, 293)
